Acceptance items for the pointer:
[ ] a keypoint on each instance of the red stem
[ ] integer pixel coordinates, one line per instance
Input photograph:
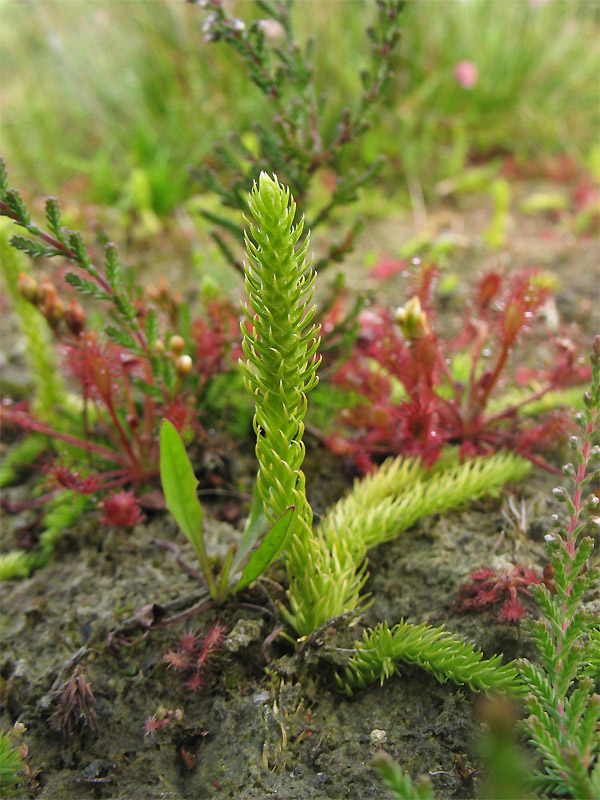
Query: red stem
(40, 427)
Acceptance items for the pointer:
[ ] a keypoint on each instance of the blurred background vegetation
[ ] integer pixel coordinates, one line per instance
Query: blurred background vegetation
(111, 102)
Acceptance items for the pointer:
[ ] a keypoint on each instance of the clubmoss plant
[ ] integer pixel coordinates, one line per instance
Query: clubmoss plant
(15, 767)
(325, 567)
(401, 785)
(11, 764)
(445, 655)
(280, 344)
(62, 513)
(562, 701)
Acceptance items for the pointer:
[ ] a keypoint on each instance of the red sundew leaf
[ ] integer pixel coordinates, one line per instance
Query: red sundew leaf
(176, 659)
(196, 682)
(95, 366)
(152, 724)
(60, 475)
(485, 597)
(188, 641)
(511, 611)
(121, 509)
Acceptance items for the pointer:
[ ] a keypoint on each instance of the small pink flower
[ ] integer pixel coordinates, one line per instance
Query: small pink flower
(467, 74)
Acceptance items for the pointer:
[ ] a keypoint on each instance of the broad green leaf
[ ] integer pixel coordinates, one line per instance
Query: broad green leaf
(268, 550)
(179, 485)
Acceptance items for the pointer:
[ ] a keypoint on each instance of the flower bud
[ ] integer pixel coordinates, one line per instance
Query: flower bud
(183, 366)
(75, 317)
(512, 322)
(561, 494)
(159, 347)
(28, 287)
(53, 310)
(412, 319)
(176, 344)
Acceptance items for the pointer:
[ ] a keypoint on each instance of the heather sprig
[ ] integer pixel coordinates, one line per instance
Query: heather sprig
(563, 706)
(151, 361)
(298, 140)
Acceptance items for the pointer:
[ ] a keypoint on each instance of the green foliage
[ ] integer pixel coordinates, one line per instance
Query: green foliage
(63, 511)
(562, 701)
(11, 763)
(295, 142)
(569, 397)
(134, 118)
(443, 654)
(329, 570)
(24, 452)
(524, 93)
(179, 485)
(280, 345)
(403, 788)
